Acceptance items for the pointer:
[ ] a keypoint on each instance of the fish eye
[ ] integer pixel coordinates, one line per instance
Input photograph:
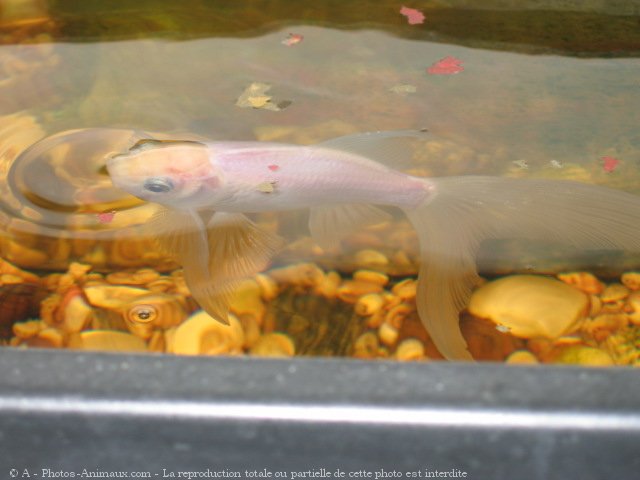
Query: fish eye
(158, 184)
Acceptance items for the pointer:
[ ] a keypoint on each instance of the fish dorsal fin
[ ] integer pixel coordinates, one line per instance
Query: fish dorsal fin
(330, 224)
(216, 258)
(394, 148)
(148, 143)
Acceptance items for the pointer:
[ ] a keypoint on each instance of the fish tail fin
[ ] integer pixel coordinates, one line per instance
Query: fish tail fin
(464, 211)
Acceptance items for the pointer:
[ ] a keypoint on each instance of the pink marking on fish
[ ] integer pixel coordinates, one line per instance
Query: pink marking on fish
(106, 217)
(273, 167)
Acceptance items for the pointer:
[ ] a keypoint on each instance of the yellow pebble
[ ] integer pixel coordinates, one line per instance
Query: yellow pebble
(595, 305)
(7, 278)
(583, 355)
(28, 329)
(396, 315)
(366, 346)
(112, 297)
(405, 289)
(76, 314)
(108, 340)
(388, 334)
(350, 291)
(614, 292)
(78, 270)
(201, 334)
(274, 345)
(251, 330)
(305, 274)
(247, 299)
(161, 285)
(631, 280)
(328, 285)
(370, 276)
(157, 341)
(522, 357)
(368, 257)
(583, 281)
(410, 349)
(530, 306)
(268, 288)
(369, 304)
(53, 336)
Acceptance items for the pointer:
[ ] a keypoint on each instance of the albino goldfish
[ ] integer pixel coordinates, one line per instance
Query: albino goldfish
(207, 186)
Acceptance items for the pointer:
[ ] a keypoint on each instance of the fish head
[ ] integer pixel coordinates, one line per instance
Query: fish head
(177, 174)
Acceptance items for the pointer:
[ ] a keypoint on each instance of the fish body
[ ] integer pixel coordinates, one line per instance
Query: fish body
(206, 187)
(256, 177)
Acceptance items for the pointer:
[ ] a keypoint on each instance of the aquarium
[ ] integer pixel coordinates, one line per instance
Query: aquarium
(501, 91)
(196, 194)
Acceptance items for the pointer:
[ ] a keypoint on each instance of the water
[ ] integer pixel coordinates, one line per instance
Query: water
(546, 91)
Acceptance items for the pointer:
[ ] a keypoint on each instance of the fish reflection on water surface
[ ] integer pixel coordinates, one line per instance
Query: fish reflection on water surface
(206, 187)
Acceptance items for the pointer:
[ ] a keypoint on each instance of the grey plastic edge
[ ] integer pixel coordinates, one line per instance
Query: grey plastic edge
(65, 412)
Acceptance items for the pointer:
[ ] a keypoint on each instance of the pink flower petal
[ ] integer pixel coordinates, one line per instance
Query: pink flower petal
(106, 217)
(446, 66)
(610, 164)
(292, 39)
(413, 16)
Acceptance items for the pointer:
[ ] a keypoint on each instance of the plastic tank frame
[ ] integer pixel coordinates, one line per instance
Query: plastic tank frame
(63, 412)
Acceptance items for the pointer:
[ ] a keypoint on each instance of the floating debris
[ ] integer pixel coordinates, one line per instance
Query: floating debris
(610, 164)
(292, 39)
(403, 89)
(446, 66)
(414, 17)
(255, 96)
(522, 164)
(556, 164)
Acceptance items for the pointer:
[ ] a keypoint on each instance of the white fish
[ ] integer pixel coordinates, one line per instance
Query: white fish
(206, 188)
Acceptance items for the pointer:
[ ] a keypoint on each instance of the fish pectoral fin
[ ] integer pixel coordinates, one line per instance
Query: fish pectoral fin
(330, 224)
(183, 236)
(215, 258)
(238, 248)
(213, 298)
